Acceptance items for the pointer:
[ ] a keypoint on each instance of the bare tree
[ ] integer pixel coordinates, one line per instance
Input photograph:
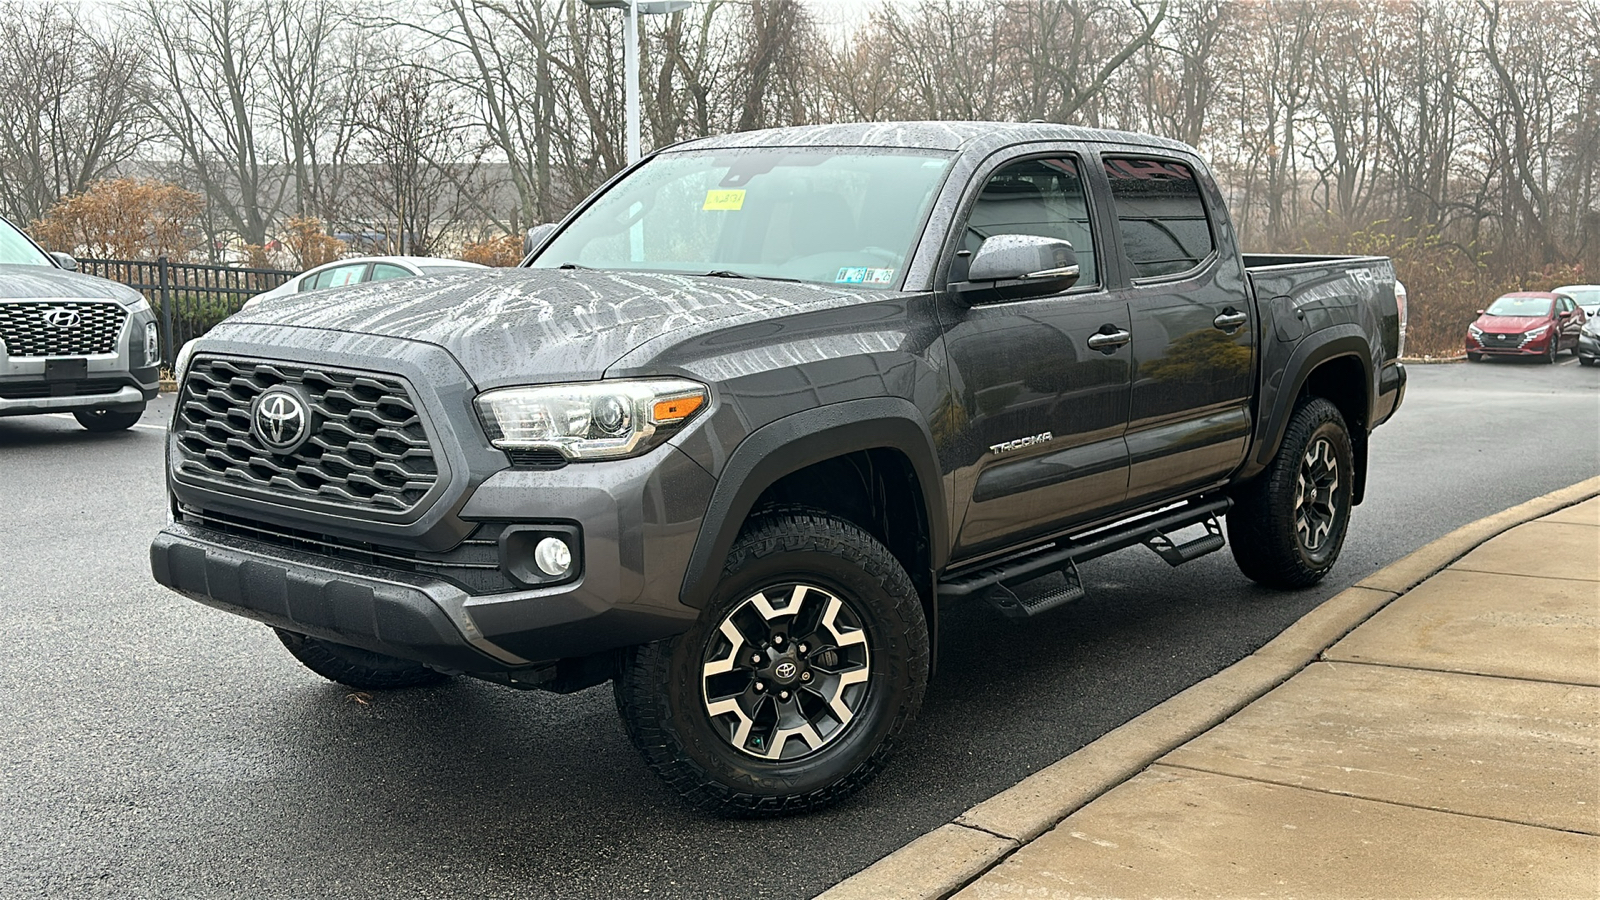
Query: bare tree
(69, 112)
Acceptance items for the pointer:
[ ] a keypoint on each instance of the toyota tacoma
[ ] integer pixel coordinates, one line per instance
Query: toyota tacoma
(740, 424)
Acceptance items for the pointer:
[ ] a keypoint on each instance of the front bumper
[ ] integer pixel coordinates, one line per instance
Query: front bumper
(1588, 346)
(123, 393)
(638, 520)
(1490, 345)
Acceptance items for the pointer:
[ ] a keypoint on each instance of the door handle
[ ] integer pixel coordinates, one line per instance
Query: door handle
(1230, 321)
(1106, 343)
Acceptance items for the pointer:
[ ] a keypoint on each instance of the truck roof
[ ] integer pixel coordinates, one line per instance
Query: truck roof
(927, 136)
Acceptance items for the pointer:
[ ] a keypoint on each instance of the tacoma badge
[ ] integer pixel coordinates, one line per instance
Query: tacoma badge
(1019, 443)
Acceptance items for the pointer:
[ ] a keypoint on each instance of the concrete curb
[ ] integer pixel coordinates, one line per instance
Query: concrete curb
(948, 858)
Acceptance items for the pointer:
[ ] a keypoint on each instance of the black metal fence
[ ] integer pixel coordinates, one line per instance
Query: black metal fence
(189, 298)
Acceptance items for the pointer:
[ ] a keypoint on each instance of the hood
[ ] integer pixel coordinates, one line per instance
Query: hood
(46, 283)
(509, 326)
(1510, 324)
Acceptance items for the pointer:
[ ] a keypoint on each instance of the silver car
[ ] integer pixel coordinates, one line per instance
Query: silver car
(71, 342)
(343, 272)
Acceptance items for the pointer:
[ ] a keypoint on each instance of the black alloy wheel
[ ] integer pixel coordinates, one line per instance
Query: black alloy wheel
(1288, 524)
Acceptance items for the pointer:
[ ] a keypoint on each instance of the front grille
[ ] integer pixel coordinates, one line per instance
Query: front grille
(35, 389)
(367, 449)
(472, 565)
(60, 327)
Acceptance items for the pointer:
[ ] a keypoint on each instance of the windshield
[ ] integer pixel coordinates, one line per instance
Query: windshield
(1583, 296)
(790, 213)
(17, 250)
(1520, 306)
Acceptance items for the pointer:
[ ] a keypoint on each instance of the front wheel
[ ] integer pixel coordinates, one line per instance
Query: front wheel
(1288, 524)
(104, 420)
(790, 691)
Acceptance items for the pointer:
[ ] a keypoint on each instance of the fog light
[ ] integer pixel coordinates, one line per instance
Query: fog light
(553, 557)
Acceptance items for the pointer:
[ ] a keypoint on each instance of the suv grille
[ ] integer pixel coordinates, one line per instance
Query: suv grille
(367, 450)
(79, 327)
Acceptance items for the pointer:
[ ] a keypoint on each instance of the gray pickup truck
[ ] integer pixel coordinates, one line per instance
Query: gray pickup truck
(752, 413)
(71, 342)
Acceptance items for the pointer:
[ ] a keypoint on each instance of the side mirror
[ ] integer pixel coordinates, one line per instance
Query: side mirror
(65, 261)
(1012, 266)
(1480, 312)
(536, 236)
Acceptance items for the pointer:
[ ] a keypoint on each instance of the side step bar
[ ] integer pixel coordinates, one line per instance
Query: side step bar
(998, 578)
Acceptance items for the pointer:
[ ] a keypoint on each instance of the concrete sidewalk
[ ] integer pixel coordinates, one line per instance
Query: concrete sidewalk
(1448, 746)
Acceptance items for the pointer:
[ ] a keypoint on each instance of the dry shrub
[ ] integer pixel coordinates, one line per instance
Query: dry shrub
(125, 218)
(504, 250)
(307, 240)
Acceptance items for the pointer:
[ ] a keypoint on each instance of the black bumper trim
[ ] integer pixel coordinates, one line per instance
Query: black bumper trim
(381, 616)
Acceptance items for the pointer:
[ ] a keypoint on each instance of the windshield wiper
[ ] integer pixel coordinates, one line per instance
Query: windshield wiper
(725, 273)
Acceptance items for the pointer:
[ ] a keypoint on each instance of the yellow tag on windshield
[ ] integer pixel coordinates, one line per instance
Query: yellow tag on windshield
(724, 200)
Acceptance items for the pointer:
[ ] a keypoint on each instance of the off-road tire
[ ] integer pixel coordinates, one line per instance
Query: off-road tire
(354, 667)
(660, 691)
(1262, 529)
(102, 421)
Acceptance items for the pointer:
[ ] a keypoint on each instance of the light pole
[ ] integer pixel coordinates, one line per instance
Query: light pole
(631, 11)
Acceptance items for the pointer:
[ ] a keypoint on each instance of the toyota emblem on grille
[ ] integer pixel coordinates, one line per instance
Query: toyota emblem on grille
(281, 421)
(62, 317)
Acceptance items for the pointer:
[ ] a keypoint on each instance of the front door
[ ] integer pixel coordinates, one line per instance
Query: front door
(1041, 415)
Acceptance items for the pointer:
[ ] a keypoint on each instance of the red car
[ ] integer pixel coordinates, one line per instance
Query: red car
(1527, 323)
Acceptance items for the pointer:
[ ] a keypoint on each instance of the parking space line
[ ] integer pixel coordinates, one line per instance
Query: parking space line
(160, 428)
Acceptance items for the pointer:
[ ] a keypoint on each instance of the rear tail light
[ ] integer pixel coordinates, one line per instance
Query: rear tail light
(1400, 301)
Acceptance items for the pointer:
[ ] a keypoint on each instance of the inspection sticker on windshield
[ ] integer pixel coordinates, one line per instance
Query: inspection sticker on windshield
(851, 275)
(724, 200)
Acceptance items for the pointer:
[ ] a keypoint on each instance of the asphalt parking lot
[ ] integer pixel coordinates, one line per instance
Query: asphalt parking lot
(151, 747)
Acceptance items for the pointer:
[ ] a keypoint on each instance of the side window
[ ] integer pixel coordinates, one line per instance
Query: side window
(338, 276)
(1160, 215)
(1043, 197)
(385, 271)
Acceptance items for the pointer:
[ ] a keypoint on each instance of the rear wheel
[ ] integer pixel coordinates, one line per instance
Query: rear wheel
(103, 420)
(355, 667)
(791, 690)
(1288, 525)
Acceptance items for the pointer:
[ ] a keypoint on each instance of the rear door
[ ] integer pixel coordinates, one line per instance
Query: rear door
(1194, 334)
(1040, 415)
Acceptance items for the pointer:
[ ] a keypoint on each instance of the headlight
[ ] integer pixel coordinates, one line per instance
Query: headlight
(1475, 331)
(152, 342)
(1536, 333)
(598, 420)
(180, 366)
